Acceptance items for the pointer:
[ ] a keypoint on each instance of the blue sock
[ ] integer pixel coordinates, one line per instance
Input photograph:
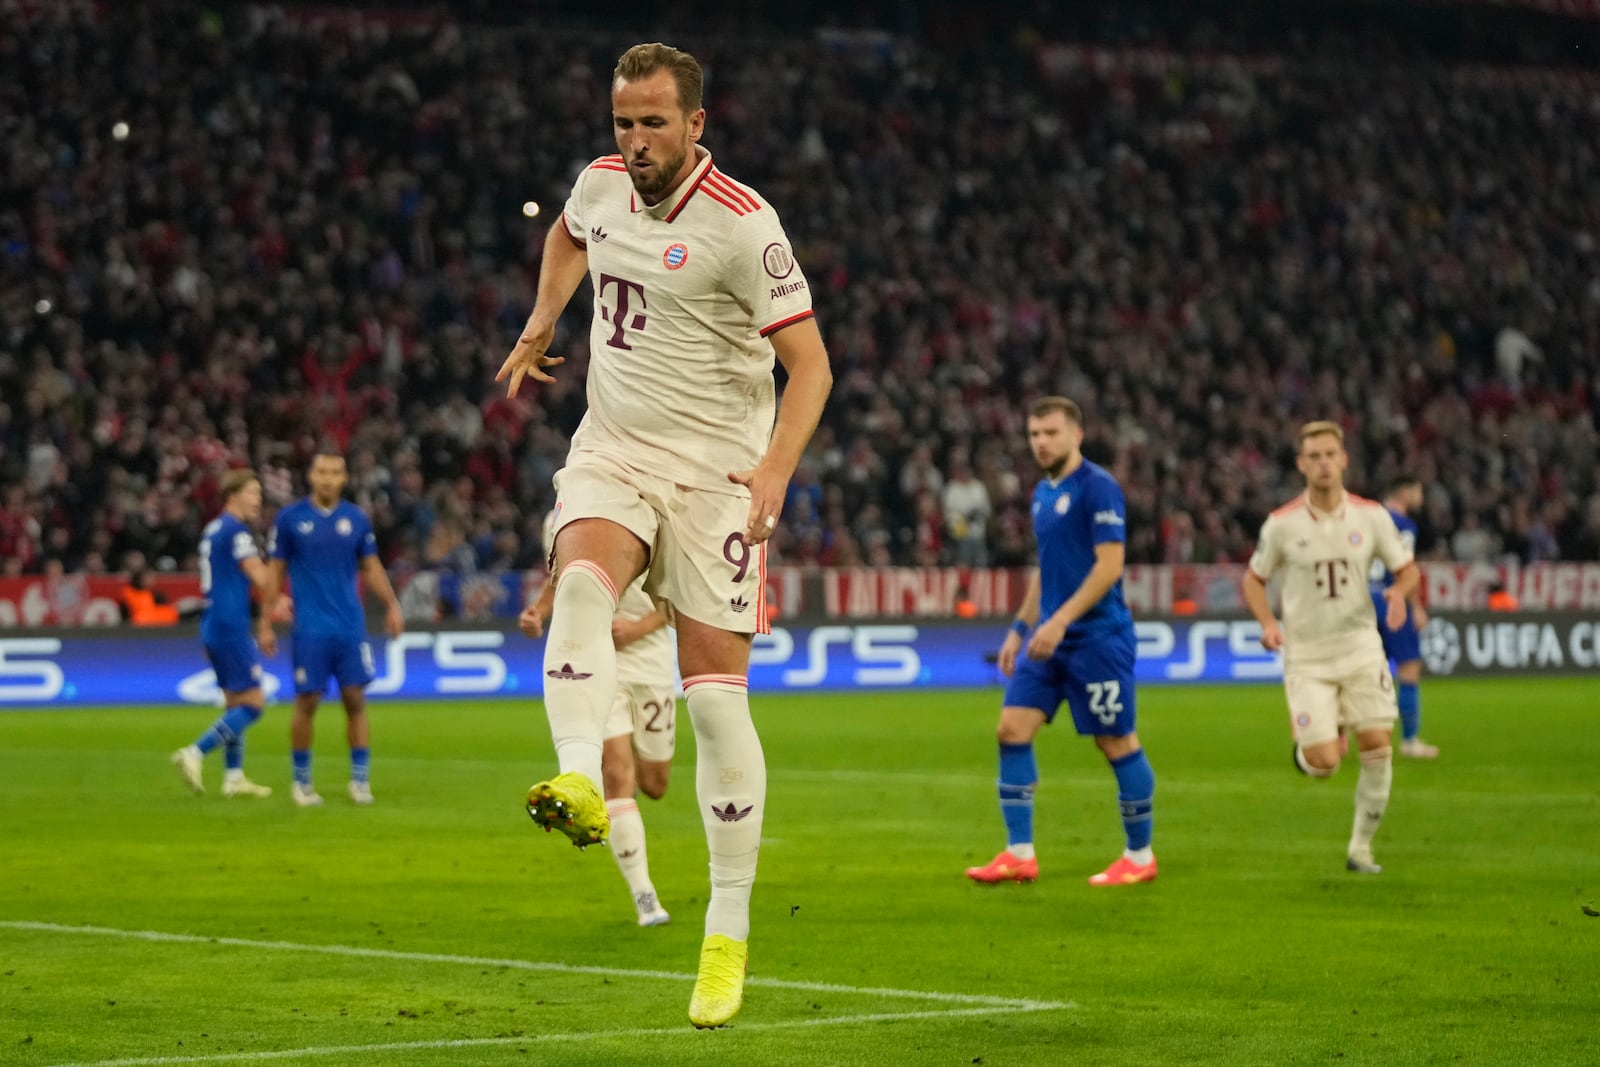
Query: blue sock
(1136, 789)
(1410, 711)
(1019, 773)
(228, 729)
(360, 762)
(302, 766)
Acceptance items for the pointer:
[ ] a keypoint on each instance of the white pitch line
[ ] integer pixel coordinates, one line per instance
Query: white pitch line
(533, 1039)
(974, 999)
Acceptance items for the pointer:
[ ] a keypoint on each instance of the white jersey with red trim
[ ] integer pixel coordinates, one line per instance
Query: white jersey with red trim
(685, 295)
(1324, 558)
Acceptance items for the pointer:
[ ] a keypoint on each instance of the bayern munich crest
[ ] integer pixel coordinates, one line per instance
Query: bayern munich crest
(676, 255)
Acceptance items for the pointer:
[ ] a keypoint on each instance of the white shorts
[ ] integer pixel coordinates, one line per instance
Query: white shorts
(699, 562)
(1356, 694)
(650, 714)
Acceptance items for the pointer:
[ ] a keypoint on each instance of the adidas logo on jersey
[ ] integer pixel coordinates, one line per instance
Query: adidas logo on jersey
(596, 234)
(738, 603)
(731, 813)
(567, 674)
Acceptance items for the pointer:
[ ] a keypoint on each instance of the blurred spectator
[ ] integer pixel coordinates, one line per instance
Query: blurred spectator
(296, 228)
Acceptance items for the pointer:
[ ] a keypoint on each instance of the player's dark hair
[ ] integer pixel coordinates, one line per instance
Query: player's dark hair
(234, 481)
(1402, 480)
(1046, 404)
(643, 60)
(331, 451)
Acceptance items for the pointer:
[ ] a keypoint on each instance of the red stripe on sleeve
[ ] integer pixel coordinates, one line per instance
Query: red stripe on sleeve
(790, 321)
(566, 228)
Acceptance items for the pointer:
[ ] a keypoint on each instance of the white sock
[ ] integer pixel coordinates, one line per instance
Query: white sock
(1022, 852)
(627, 844)
(580, 666)
(731, 784)
(1142, 856)
(1372, 798)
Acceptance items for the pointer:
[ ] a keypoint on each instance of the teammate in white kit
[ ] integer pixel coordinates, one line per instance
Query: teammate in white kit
(1335, 672)
(640, 732)
(679, 468)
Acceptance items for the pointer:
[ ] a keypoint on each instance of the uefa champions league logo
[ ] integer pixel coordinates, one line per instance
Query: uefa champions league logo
(1441, 645)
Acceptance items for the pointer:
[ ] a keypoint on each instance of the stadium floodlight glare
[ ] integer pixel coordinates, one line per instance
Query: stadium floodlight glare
(530, 209)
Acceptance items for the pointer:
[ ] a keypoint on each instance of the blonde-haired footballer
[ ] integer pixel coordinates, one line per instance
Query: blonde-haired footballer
(1335, 672)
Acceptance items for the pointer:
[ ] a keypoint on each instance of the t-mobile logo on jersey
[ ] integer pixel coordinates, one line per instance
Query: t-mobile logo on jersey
(618, 315)
(1333, 575)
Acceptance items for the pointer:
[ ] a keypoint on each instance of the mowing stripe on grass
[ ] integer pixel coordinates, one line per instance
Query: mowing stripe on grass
(977, 1000)
(545, 1039)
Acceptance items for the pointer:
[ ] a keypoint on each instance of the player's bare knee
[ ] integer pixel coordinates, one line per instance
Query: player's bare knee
(1114, 747)
(1409, 672)
(1322, 757)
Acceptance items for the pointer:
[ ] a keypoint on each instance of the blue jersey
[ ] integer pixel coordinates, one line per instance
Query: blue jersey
(1381, 577)
(1070, 518)
(224, 545)
(323, 551)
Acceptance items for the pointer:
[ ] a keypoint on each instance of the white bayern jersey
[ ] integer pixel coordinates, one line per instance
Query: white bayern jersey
(1324, 558)
(685, 295)
(649, 660)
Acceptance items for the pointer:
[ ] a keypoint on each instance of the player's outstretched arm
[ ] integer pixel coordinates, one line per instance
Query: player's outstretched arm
(1255, 596)
(563, 266)
(800, 349)
(1107, 569)
(394, 622)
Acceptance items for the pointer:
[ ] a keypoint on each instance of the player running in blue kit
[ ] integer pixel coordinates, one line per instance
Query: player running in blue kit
(1081, 651)
(230, 565)
(1404, 646)
(323, 541)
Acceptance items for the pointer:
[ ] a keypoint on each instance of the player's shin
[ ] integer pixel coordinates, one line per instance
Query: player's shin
(1372, 797)
(580, 666)
(1136, 790)
(628, 844)
(1019, 774)
(731, 784)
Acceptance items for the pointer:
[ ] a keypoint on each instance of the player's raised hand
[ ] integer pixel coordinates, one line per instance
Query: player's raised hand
(766, 501)
(528, 357)
(1271, 637)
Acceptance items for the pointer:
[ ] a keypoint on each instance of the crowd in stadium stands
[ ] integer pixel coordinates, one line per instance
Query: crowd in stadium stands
(274, 236)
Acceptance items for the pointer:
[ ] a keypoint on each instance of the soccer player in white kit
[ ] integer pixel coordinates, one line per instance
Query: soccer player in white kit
(640, 732)
(679, 468)
(1335, 672)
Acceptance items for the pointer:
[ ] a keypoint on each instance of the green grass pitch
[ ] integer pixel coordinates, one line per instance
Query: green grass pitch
(142, 925)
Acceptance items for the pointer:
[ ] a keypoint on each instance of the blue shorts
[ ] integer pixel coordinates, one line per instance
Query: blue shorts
(237, 663)
(1402, 645)
(348, 660)
(1095, 678)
